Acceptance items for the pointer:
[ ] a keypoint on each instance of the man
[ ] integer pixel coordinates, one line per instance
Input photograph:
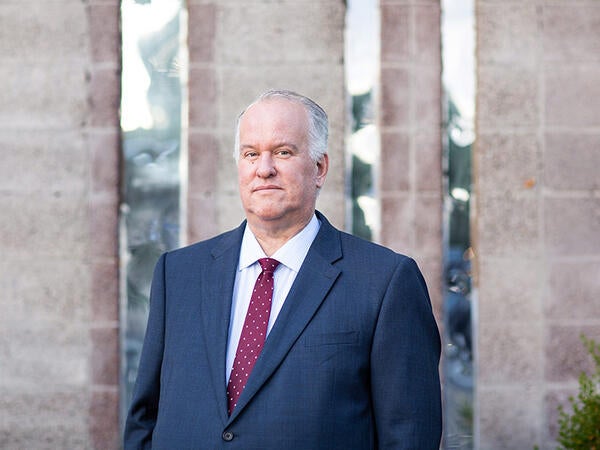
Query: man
(350, 359)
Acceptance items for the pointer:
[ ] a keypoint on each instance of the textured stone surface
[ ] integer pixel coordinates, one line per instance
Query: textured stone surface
(537, 212)
(507, 352)
(507, 163)
(573, 34)
(571, 161)
(575, 281)
(280, 32)
(395, 162)
(569, 103)
(508, 226)
(509, 290)
(572, 226)
(508, 34)
(507, 97)
(395, 26)
(509, 418)
(566, 356)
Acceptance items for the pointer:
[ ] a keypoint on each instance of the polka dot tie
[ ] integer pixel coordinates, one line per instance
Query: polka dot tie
(254, 332)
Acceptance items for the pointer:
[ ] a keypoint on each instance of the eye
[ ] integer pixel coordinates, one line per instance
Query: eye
(250, 155)
(284, 152)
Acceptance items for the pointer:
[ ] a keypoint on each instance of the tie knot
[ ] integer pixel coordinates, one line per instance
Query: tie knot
(268, 264)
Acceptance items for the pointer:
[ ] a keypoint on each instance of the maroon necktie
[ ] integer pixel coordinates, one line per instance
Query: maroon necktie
(254, 332)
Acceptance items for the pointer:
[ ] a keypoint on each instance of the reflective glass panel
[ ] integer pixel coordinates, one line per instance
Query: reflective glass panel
(153, 111)
(458, 47)
(362, 68)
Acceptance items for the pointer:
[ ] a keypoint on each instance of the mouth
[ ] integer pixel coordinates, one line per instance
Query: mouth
(268, 187)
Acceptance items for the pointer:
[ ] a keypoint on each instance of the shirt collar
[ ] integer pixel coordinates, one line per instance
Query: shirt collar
(291, 254)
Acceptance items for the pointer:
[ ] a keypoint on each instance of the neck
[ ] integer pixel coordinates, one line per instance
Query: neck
(272, 237)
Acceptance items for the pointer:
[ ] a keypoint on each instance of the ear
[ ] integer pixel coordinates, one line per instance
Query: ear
(322, 168)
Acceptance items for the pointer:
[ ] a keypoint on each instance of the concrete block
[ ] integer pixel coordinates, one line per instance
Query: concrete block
(104, 97)
(105, 156)
(428, 99)
(395, 162)
(104, 32)
(507, 352)
(572, 226)
(103, 228)
(202, 218)
(202, 97)
(104, 292)
(571, 161)
(50, 225)
(395, 32)
(428, 226)
(43, 162)
(201, 32)
(428, 162)
(509, 417)
(332, 204)
(36, 294)
(241, 85)
(44, 419)
(44, 354)
(552, 400)
(507, 97)
(395, 97)
(104, 428)
(427, 34)
(507, 162)
(46, 32)
(573, 290)
(43, 95)
(104, 356)
(571, 33)
(509, 290)
(507, 227)
(572, 96)
(203, 163)
(397, 219)
(508, 34)
(565, 355)
(431, 268)
(280, 33)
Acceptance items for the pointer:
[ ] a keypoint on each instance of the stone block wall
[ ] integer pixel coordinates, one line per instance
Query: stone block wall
(537, 217)
(59, 138)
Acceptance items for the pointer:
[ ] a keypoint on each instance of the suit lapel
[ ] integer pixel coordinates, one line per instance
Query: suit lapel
(217, 291)
(314, 280)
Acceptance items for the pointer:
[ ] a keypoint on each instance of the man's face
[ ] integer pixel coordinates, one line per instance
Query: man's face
(278, 180)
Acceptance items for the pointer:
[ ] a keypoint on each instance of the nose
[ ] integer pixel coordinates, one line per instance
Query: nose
(266, 165)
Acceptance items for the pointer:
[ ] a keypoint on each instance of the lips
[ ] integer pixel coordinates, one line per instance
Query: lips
(268, 187)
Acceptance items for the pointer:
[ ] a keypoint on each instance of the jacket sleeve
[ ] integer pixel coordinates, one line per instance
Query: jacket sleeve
(405, 356)
(143, 411)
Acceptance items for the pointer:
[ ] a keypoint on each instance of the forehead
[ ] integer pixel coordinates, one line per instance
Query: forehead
(274, 116)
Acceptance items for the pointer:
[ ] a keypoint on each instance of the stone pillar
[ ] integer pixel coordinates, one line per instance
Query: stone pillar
(237, 51)
(410, 183)
(537, 213)
(58, 235)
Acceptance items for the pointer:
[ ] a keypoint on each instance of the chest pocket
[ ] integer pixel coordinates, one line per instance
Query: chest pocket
(341, 338)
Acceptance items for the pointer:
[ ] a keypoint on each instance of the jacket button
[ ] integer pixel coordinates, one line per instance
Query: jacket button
(227, 436)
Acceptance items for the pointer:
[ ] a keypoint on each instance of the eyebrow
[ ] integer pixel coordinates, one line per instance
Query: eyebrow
(277, 145)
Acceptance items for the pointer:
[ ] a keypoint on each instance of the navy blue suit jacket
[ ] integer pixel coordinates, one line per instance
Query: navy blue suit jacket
(351, 362)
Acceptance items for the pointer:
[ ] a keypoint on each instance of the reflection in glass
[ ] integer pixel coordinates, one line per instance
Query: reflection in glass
(458, 43)
(152, 108)
(361, 63)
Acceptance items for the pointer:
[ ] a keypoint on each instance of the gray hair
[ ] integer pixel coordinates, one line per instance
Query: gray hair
(318, 123)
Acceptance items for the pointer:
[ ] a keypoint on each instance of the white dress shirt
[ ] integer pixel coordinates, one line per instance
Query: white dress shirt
(290, 256)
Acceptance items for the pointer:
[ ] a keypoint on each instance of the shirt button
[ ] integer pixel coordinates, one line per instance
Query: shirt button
(227, 436)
